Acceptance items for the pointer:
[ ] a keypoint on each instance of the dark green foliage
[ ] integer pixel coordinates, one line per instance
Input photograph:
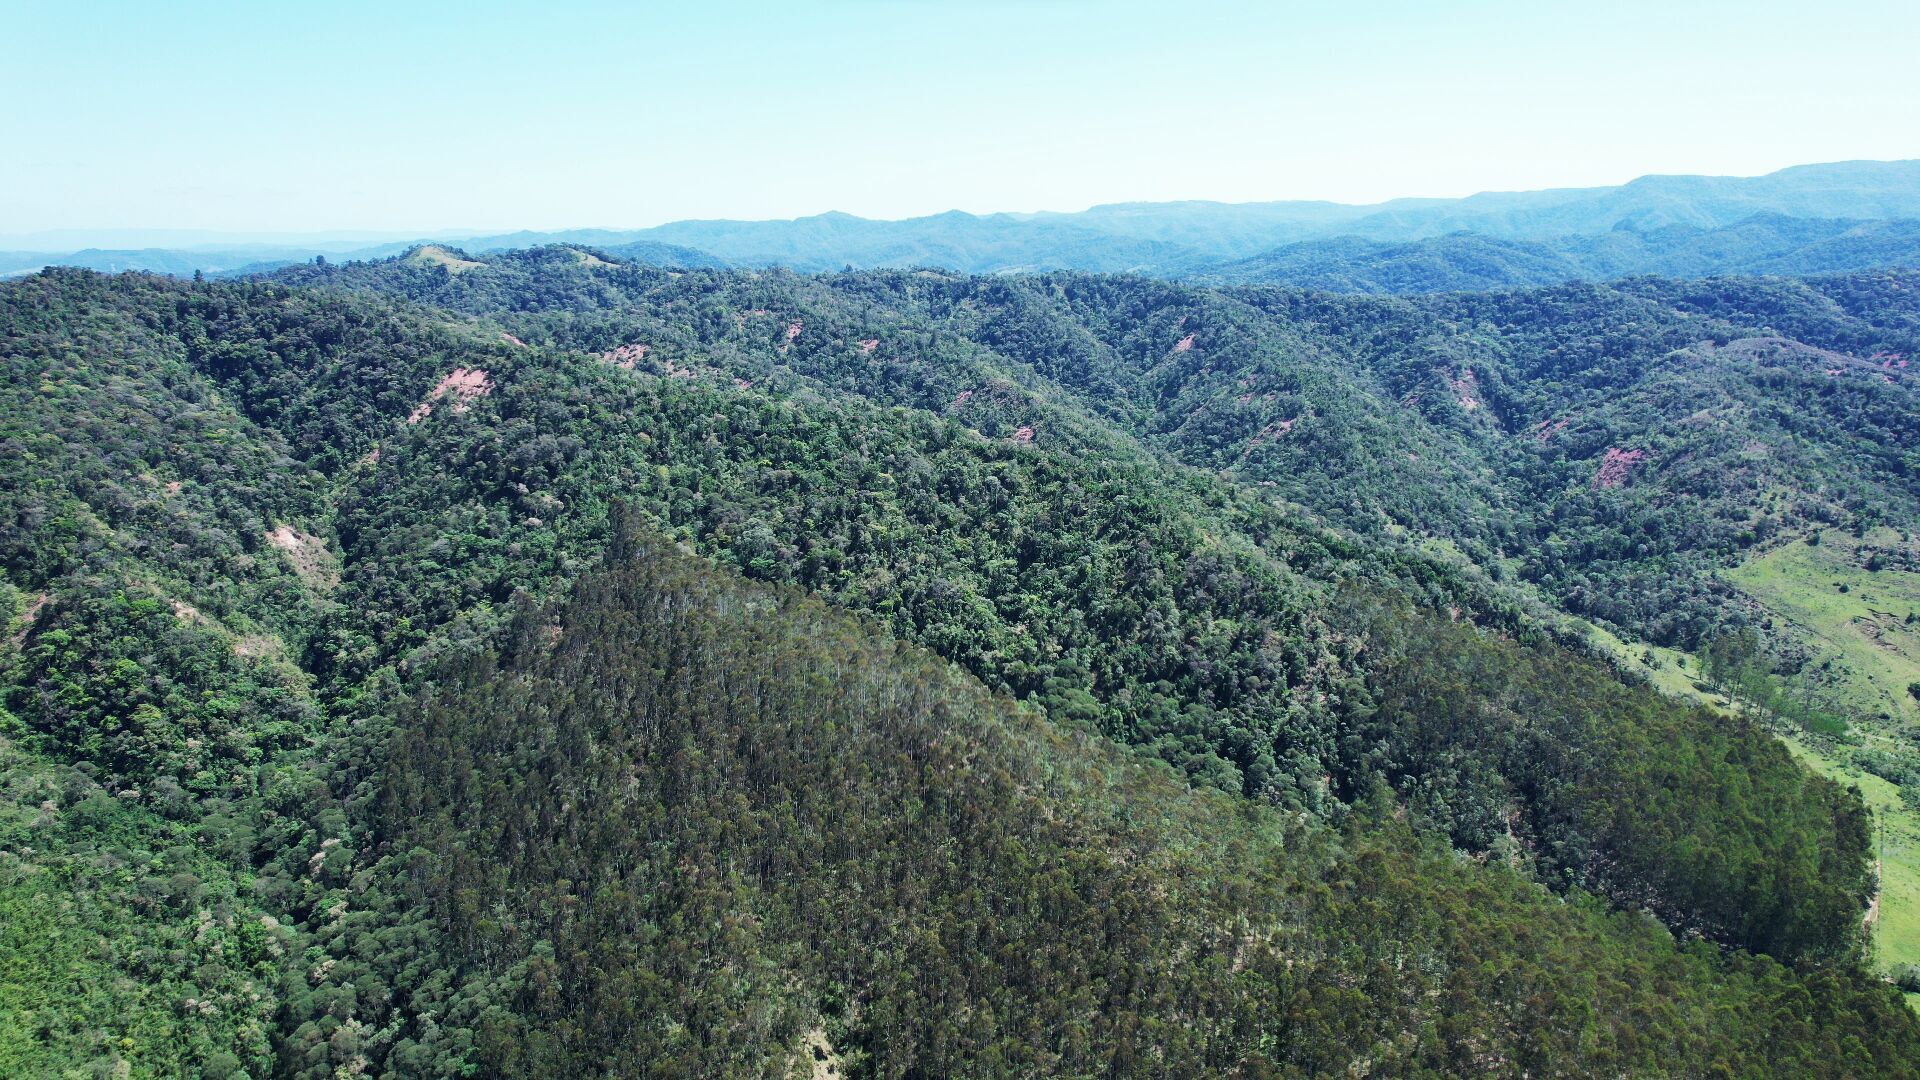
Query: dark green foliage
(1537, 753)
(254, 586)
(1469, 261)
(942, 886)
(1488, 420)
(1203, 699)
(145, 692)
(1067, 580)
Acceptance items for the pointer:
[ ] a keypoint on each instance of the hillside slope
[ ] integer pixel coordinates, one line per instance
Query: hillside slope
(1468, 261)
(246, 524)
(769, 836)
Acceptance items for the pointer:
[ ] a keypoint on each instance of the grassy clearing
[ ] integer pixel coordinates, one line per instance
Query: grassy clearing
(1671, 671)
(435, 254)
(1854, 619)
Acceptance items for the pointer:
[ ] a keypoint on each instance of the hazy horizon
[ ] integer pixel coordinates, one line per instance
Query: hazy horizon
(432, 120)
(133, 238)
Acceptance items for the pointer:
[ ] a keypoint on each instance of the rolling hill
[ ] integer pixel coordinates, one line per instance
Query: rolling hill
(1843, 216)
(540, 662)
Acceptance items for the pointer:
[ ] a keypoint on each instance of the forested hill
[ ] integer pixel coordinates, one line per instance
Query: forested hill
(349, 724)
(1469, 261)
(1611, 444)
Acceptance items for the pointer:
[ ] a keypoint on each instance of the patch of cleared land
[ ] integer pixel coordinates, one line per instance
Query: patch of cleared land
(1855, 621)
(308, 555)
(1852, 616)
(1672, 672)
(459, 386)
(435, 255)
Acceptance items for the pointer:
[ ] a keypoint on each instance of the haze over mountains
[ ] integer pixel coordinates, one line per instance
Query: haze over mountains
(1807, 219)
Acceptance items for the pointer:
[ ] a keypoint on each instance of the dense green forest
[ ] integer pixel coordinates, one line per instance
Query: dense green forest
(1469, 261)
(1611, 444)
(351, 723)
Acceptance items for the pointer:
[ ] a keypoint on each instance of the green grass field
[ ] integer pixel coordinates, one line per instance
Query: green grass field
(1874, 651)
(1871, 655)
(1866, 651)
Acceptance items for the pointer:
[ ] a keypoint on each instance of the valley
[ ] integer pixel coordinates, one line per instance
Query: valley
(934, 541)
(1264, 592)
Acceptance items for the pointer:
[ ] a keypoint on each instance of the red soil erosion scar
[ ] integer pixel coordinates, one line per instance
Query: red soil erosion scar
(1618, 464)
(1464, 386)
(460, 387)
(625, 355)
(1271, 432)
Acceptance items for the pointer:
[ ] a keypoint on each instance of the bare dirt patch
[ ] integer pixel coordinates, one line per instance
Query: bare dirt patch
(818, 1061)
(256, 646)
(1617, 466)
(1466, 387)
(626, 356)
(309, 556)
(460, 387)
(1276, 430)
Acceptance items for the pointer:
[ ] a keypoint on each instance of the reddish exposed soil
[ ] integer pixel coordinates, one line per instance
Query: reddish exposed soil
(1617, 466)
(1269, 433)
(307, 553)
(461, 385)
(1464, 386)
(626, 355)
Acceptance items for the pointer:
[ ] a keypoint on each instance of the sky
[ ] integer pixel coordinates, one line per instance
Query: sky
(407, 118)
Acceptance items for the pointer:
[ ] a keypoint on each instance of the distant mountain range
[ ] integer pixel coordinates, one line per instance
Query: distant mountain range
(1811, 218)
(1468, 261)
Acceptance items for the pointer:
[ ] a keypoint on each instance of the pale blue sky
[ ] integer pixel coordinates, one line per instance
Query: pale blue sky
(431, 117)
